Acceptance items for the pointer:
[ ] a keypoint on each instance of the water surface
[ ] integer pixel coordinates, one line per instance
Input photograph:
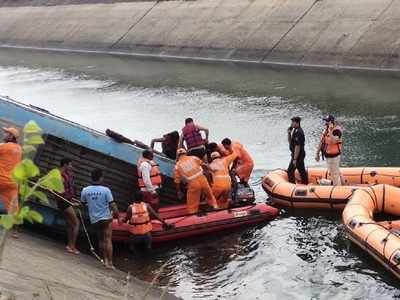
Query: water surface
(297, 256)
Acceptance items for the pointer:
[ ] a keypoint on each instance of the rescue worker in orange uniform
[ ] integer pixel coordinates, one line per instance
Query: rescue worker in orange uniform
(138, 216)
(10, 156)
(189, 169)
(244, 164)
(331, 147)
(149, 178)
(221, 179)
(191, 135)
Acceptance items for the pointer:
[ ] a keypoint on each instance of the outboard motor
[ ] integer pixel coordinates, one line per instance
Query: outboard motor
(242, 194)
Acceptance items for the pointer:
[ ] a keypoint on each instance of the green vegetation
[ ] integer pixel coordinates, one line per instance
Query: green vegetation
(27, 175)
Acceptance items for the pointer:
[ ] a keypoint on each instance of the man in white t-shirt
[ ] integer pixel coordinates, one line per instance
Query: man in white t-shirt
(149, 178)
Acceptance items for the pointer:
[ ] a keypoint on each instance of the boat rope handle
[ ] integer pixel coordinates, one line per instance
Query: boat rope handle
(312, 190)
(384, 241)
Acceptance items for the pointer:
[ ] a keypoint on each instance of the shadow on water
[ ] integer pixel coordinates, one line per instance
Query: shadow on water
(300, 255)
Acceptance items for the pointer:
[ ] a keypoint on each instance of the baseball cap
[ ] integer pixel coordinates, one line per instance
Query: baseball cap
(12, 130)
(296, 119)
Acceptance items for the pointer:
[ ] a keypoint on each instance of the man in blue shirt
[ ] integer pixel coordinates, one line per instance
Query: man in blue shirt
(100, 203)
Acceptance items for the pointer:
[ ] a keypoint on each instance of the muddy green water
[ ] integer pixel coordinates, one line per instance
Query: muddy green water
(297, 256)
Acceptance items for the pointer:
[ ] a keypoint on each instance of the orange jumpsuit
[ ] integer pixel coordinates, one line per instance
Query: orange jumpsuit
(222, 184)
(10, 156)
(245, 163)
(188, 169)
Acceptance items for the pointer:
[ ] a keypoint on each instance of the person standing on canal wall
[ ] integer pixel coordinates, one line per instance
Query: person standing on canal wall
(331, 147)
(296, 141)
(149, 178)
(191, 135)
(67, 207)
(100, 203)
(10, 157)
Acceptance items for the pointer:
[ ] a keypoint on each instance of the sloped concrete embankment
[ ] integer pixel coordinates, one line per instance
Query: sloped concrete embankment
(36, 268)
(334, 33)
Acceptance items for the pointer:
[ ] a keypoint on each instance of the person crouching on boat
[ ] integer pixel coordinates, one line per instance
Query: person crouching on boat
(138, 216)
(10, 157)
(100, 203)
(244, 164)
(169, 144)
(149, 178)
(67, 208)
(296, 141)
(221, 179)
(331, 147)
(191, 135)
(189, 169)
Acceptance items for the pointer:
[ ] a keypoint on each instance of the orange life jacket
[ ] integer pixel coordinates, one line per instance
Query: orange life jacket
(331, 149)
(188, 168)
(140, 219)
(220, 171)
(155, 175)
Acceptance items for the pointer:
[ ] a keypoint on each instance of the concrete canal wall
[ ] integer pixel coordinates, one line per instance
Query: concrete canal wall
(333, 33)
(34, 267)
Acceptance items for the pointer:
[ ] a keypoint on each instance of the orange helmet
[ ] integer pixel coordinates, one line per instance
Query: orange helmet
(13, 131)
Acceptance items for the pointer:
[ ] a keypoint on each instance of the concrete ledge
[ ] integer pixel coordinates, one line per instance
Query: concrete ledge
(19, 3)
(196, 59)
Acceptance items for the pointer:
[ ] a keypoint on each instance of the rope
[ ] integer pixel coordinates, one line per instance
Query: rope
(315, 193)
(92, 250)
(134, 24)
(88, 238)
(153, 282)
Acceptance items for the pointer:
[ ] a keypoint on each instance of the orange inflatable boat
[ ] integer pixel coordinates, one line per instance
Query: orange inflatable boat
(379, 239)
(315, 195)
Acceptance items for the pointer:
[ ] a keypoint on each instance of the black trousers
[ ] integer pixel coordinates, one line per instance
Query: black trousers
(141, 241)
(300, 167)
(199, 152)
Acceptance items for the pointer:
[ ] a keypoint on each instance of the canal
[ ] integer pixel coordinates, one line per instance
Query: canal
(298, 256)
